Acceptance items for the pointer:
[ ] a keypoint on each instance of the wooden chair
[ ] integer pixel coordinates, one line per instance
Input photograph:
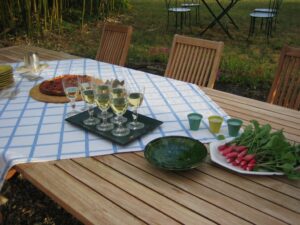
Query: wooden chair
(114, 44)
(194, 60)
(285, 90)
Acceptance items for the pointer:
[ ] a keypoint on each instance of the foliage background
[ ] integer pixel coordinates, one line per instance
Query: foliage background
(74, 27)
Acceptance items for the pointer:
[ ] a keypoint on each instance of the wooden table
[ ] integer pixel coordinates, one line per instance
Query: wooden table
(125, 189)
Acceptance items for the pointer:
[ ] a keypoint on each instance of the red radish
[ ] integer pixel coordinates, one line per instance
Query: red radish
(239, 160)
(249, 168)
(229, 160)
(231, 155)
(243, 163)
(240, 148)
(222, 147)
(249, 157)
(237, 156)
(242, 154)
(244, 167)
(252, 161)
(227, 150)
(234, 163)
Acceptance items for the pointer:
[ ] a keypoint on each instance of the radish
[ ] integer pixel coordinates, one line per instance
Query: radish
(242, 154)
(243, 163)
(252, 161)
(239, 160)
(227, 150)
(249, 168)
(249, 157)
(231, 155)
(229, 160)
(240, 148)
(234, 163)
(222, 147)
(244, 167)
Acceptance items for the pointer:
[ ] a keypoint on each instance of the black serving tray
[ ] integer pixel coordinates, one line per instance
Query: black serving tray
(150, 124)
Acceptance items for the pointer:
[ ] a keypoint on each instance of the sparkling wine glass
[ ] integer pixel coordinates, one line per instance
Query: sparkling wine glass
(71, 90)
(85, 106)
(102, 99)
(115, 92)
(106, 114)
(119, 104)
(135, 100)
(88, 92)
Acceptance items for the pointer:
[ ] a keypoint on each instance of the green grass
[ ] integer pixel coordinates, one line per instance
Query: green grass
(254, 60)
(243, 62)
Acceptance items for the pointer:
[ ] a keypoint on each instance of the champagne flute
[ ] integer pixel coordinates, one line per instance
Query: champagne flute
(119, 104)
(135, 100)
(71, 90)
(102, 99)
(88, 93)
(106, 114)
(117, 91)
(81, 89)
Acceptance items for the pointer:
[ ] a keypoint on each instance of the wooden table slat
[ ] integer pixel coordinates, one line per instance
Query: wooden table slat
(262, 113)
(140, 191)
(252, 102)
(204, 191)
(163, 187)
(121, 198)
(76, 197)
(280, 184)
(237, 181)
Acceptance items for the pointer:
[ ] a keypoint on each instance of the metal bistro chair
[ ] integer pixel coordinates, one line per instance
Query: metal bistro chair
(274, 10)
(267, 15)
(181, 13)
(194, 60)
(114, 44)
(285, 90)
(193, 4)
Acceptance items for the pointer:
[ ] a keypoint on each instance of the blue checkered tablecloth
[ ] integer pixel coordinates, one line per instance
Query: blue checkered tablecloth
(32, 131)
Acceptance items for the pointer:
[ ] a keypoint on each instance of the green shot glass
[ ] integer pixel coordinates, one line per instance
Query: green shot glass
(234, 125)
(194, 120)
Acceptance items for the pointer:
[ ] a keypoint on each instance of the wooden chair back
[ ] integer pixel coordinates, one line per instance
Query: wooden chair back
(194, 60)
(285, 90)
(114, 44)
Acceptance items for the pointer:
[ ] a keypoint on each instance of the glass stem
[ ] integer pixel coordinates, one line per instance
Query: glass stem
(134, 115)
(91, 112)
(119, 123)
(72, 102)
(104, 113)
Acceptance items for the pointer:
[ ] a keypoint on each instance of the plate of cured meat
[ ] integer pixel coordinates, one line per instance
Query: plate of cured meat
(52, 90)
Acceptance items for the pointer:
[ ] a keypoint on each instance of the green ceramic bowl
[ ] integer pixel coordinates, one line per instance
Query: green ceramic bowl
(175, 153)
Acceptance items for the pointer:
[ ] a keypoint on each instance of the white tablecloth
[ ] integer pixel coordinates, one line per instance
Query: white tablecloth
(32, 131)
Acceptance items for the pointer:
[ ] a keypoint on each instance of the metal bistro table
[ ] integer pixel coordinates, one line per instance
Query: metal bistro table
(178, 10)
(217, 18)
(125, 189)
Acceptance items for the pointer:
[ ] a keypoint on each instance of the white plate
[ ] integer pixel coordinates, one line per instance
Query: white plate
(221, 160)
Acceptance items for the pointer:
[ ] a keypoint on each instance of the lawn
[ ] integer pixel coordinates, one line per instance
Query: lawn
(244, 63)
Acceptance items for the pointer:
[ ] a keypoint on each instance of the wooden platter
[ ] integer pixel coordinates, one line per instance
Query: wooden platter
(37, 95)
